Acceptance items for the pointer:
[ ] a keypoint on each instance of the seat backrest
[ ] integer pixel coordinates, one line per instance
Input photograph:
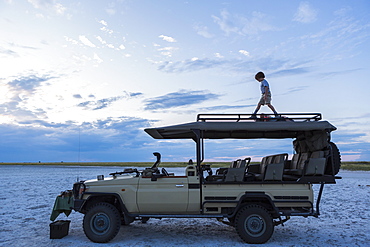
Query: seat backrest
(274, 172)
(275, 169)
(270, 159)
(243, 163)
(315, 166)
(235, 174)
(295, 160)
(263, 164)
(235, 163)
(303, 157)
(240, 163)
(279, 158)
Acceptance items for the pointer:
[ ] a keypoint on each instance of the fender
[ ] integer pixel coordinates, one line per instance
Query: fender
(80, 205)
(257, 198)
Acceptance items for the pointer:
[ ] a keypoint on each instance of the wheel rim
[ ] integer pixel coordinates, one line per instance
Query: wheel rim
(100, 223)
(255, 225)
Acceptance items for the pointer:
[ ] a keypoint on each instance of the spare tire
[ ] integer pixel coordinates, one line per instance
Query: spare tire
(334, 160)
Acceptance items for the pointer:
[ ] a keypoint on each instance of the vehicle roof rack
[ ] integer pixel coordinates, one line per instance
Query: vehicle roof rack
(296, 117)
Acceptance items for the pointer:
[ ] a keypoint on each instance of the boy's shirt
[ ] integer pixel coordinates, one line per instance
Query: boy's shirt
(264, 84)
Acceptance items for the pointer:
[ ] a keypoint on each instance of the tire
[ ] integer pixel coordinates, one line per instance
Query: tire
(101, 222)
(254, 224)
(335, 157)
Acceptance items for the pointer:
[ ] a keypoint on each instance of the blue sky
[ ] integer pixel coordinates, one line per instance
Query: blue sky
(80, 80)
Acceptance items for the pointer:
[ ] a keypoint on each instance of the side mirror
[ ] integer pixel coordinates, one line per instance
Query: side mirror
(155, 176)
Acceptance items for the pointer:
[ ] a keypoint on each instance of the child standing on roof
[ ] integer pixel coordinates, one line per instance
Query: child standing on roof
(266, 94)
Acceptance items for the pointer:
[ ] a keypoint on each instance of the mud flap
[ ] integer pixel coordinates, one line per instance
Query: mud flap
(63, 204)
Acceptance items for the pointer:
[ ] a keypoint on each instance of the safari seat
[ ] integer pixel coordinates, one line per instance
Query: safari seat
(304, 164)
(297, 164)
(221, 171)
(316, 164)
(272, 167)
(237, 173)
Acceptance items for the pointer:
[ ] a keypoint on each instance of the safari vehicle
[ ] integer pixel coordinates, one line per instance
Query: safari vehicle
(253, 198)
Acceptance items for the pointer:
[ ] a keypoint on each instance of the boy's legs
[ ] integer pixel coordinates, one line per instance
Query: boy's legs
(257, 109)
(264, 101)
(272, 108)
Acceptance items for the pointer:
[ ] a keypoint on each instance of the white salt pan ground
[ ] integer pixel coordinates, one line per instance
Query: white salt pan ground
(28, 193)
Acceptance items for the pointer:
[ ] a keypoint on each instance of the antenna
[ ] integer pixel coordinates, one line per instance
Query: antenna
(79, 143)
(79, 150)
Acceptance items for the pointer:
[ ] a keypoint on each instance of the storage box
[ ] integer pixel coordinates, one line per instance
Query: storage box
(59, 229)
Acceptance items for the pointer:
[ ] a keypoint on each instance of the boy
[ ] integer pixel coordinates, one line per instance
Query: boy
(266, 94)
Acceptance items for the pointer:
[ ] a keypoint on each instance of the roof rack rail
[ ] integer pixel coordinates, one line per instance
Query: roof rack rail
(300, 117)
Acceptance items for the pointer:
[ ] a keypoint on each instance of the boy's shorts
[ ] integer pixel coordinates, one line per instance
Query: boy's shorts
(263, 101)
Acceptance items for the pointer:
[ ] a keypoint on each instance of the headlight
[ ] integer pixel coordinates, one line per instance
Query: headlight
(78, 189)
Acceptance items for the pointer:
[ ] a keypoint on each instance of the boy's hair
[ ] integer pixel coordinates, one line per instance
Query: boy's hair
(259, 75)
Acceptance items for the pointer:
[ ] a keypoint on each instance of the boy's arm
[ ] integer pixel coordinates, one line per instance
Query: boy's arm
(266, 91)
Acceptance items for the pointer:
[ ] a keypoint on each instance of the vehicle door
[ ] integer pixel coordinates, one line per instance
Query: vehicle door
(166, 194)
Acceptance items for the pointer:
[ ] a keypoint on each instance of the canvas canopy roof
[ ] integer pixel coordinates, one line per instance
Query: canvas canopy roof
(240, 130)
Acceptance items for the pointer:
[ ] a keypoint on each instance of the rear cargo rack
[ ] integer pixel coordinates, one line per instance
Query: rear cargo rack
(295, 117)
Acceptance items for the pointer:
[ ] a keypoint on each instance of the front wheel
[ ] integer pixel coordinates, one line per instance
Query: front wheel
(102, 222)
(254, 224)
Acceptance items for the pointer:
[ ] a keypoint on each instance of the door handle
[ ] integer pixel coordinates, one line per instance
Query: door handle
(179, 185)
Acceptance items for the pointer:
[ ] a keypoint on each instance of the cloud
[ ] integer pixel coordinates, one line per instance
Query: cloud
(218, 55)
(330, 74)
(241, 25)
(352, 145)
(86, 41)
(291, 71)
(28, 83)
(275, 66)
(103, 22)
(305, 13)
(245, 53)
(190, 65)
(103, 103)
(77, 96)
(20, 90)
(99, 104)
(203, 31)
(48, 5)
(134, 94)
(167, 38)
(178, 99)
(97, 58)
(8, 52)
(292, 90)
(96, 141)
(255, 24)
(111, 9)
(225, 23)
(167, 51)
(13, 49)
(105, 28)
(225, 107)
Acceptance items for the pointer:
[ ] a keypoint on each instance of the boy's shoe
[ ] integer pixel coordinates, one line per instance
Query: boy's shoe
(253, 116)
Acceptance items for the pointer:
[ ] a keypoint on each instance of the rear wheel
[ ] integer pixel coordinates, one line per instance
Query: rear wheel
(101, 222)
(254, 224)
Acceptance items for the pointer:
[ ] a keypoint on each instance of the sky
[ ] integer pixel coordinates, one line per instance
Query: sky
(81, 80)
